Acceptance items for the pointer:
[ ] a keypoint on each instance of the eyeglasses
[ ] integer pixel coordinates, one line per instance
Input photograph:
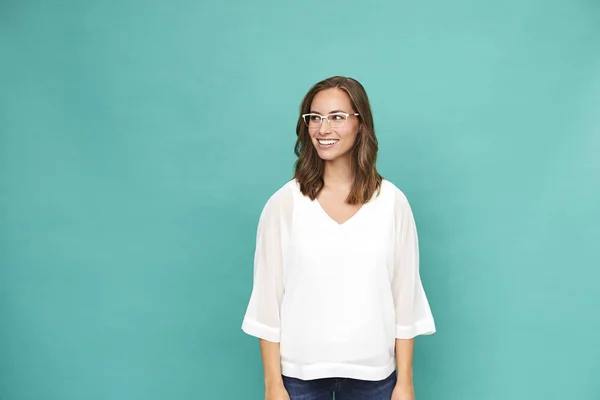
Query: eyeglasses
(335, 120)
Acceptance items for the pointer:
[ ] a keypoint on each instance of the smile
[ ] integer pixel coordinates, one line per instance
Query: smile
(326, 143)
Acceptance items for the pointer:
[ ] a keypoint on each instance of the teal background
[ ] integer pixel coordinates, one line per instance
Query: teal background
(139, 141)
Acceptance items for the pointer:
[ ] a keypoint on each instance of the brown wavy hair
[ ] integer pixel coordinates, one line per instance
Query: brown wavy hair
(309, 166)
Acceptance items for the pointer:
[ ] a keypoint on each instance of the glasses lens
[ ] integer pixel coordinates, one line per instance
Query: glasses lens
(312, 120)
(337, 120)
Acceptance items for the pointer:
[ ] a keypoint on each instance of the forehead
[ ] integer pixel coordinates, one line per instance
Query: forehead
(331, 99)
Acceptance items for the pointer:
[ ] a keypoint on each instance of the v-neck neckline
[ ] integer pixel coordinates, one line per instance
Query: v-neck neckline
(342, 224)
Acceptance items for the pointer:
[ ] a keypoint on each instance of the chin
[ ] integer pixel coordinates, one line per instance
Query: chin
(330, 155)
(326, 156)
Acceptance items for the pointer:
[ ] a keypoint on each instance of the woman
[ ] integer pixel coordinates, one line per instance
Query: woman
(337, 297)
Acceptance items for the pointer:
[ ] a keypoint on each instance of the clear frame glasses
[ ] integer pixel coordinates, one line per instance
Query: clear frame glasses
(335, 120)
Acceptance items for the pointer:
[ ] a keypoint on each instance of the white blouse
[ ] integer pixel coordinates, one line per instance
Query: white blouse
(336, 296)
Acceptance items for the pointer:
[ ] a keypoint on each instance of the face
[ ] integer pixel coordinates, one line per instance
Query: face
(333, 142)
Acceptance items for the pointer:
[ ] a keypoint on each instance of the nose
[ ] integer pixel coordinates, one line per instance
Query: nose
(325, 128)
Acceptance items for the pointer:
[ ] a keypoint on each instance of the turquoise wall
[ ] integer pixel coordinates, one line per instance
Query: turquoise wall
(139, 141)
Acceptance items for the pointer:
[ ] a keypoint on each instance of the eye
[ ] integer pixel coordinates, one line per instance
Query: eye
(337, 117)
(315, 118)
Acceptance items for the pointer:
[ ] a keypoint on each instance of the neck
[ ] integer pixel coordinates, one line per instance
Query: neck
(338, 173)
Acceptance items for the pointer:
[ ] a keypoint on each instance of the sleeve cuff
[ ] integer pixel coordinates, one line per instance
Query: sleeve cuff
(261, 331)
(422, 327)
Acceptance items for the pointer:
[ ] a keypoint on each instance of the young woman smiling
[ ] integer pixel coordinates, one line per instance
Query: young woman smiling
(337, 297)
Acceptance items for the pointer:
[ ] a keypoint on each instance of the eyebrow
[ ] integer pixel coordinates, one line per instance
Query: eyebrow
(331, 112)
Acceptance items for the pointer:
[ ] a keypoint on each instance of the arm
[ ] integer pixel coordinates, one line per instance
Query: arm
(413, 314)
(262, 319)
(404, 360)
(404, 389)
(274, 388)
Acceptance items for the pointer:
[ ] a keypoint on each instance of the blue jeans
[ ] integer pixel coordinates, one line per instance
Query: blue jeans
(344, 388)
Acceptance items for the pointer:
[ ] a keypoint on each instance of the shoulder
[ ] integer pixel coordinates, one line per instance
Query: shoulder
(281, 201)
(403, 213)
(393, 192)
(284, 194)
(397, 198)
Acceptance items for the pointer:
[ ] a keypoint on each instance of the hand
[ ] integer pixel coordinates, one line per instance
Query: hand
(403, 392)
(276, 392)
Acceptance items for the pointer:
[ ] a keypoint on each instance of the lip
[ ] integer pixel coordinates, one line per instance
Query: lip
(326, 146)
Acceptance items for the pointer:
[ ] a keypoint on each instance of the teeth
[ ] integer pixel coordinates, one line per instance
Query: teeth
(327, 142)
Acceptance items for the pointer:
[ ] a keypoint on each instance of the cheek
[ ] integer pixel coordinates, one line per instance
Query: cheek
(349, 137)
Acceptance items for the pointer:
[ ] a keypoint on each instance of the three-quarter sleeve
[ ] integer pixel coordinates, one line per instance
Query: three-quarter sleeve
(262, 318)
(413, 313)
